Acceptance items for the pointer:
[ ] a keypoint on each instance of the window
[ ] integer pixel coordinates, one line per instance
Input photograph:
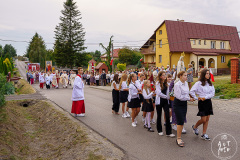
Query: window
(222, 45)
(205, 42)
(160, 43)
(152, 58)
(213, 44)
(223, 59)
(160, 58)
(199, 42)
(160, 32)
(154, 47)
(194, 42)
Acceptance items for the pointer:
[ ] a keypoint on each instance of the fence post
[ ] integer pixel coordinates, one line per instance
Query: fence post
(234, 70)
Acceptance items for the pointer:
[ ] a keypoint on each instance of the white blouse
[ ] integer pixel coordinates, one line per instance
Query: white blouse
(97, 77)
(133, 91)
(117, 85)
(147, 96)
(112, 76)
(139, 84)
(159, 94)
(181, 91)
(124, 85)
(206, 91)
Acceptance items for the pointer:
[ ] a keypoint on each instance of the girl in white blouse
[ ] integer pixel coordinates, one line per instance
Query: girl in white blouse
(147, 104)
(123, 95)
(133, 98)
(162, 101)
(205, 91)
(181, 94)
(115, 94)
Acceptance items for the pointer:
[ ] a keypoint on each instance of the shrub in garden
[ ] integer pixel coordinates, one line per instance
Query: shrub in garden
(121, 66)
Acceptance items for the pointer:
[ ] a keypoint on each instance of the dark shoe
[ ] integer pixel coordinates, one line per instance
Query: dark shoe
(150, 129)
(145, 126)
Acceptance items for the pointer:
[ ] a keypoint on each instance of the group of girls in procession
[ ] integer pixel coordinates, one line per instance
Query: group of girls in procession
(149, 94)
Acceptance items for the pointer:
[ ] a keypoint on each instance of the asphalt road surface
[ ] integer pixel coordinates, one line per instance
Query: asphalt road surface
(138, 143)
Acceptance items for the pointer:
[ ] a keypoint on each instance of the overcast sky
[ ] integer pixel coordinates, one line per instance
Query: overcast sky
(126, 20)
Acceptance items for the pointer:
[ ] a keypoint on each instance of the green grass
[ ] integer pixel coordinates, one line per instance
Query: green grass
(223, 87)
(92, 156)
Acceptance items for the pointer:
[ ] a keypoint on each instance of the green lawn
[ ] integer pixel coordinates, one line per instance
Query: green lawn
(223, 87)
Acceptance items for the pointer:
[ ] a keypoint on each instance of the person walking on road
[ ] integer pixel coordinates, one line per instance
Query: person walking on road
(162, 101)
(181, 94)
(78, 105)
(123, 95)
(147, 104)
(115, 94)
(133, 98)
(205, 91)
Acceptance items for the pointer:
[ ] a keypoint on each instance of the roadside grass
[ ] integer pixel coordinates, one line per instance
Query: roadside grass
(223, 87)
(23, 87)
(39, 131)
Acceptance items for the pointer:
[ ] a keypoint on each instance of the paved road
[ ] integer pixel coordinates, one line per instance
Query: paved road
(138, 143)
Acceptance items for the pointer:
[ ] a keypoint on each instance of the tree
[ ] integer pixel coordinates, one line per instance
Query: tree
(108, 52)
(8, 48)
(1, 51)
(83, 59)
(129, 56)
(36, 50)
(69, 36)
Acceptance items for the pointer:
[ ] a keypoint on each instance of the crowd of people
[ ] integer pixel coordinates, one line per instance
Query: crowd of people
(160, 89)
(51, 79)
(164, 90)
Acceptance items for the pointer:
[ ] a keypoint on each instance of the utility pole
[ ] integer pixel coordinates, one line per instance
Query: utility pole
(112, 58)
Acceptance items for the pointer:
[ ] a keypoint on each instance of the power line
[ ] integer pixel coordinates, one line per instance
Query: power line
(132, 45)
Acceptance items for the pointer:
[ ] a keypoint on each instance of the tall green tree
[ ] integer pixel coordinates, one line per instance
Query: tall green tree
(108, 50)
(129, 56)
(69, 36)
(36, 50)
(1, 51)
(8, 48)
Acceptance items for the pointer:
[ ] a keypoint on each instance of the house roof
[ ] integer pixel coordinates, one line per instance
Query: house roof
(115, 54)
(92, 61)
(179, 35)
(99, 65)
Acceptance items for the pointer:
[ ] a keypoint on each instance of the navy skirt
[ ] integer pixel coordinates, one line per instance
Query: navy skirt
(123, 96)
(205, 108)
(180, 109)
(135, 103)
(147, 105)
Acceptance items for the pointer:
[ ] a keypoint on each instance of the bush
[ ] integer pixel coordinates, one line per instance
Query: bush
(8, 89)
(121, 66)
(2, 84)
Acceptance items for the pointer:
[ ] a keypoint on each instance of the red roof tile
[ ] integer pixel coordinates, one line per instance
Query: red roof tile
(180, 33)
(205, 54)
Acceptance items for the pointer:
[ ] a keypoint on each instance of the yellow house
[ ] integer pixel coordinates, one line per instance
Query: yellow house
(204, 45)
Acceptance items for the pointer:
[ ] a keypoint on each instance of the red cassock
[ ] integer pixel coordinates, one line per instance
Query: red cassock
(41, 85)
(78, 106)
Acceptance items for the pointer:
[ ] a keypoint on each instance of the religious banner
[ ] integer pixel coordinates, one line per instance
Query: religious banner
(48, 66)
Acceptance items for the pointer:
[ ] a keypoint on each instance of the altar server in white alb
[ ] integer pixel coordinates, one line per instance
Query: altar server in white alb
(205, 91)
(41, 80)
(78, 105)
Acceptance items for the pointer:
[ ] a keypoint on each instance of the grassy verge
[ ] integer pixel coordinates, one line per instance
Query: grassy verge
(24, 87)
(42, 132)
(223, 87)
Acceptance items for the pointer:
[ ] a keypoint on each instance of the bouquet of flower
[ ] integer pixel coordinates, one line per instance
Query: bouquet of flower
(171, 94)
(152, 87)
